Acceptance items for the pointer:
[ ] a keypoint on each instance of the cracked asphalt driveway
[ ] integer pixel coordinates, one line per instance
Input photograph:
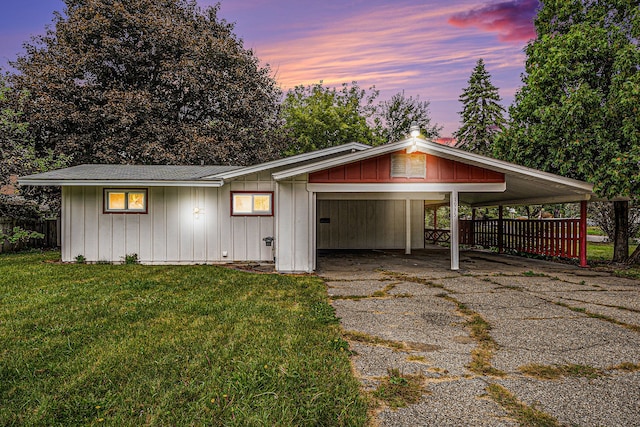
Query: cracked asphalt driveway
(505, 341)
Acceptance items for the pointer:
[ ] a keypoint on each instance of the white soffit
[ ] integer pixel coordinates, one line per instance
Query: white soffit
(409, 187)
(429, 197)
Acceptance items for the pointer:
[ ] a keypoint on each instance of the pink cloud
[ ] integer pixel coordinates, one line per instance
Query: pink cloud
(512, 20)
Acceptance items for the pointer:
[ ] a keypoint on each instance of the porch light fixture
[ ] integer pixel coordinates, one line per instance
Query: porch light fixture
(414, 130)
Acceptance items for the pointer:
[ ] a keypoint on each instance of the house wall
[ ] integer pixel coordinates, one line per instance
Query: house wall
(368, 224)
(170, 232)
(295, 217)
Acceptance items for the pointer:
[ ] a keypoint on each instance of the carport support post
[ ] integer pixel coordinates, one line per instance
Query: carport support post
(455, 231)
(407, 224)
(583, 234)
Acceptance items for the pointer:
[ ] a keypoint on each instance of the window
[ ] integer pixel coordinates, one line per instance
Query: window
(409, 165)
(125, 201)
(250, 203)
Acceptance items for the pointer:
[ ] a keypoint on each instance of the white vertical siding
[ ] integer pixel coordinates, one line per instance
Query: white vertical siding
(245, 241)
(158, 219)
(171, 223)
(368, 224)
(65, 226)
(293, 245)
(170, 232)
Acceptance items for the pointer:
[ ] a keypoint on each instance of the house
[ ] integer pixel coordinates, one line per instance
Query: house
(348, 197)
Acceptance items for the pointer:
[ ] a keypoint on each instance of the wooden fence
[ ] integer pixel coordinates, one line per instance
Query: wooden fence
(550, 237)
(49, 227)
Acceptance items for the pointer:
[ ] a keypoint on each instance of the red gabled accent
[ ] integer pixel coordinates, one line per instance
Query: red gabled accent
(378, 169)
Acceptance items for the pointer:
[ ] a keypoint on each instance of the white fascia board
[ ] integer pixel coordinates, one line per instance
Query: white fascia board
(342, 160)
(535, 201)
(500, 165)
(432, 197)
(291, 160)
(409, 187)
(132, 183)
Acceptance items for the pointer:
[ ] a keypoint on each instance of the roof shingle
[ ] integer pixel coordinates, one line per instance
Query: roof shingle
(135, 172)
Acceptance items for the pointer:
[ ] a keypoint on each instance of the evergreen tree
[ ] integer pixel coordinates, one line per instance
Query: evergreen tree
(482, 115)
(147, 81)
(577, 113)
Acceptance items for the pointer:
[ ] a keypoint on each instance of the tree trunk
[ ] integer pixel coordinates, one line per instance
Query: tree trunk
(635, 257)
(621, 238)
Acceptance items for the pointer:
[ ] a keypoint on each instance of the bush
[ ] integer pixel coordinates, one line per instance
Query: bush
(19, 235)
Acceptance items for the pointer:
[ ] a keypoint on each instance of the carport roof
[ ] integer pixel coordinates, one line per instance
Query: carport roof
(523, 185)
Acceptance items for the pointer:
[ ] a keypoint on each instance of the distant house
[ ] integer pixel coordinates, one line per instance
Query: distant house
(348, 197)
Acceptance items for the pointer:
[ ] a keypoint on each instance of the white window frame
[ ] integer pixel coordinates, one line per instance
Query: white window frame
(126, 191)
(250, 211)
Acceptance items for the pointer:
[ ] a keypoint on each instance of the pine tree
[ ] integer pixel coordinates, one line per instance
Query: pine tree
(482, 115)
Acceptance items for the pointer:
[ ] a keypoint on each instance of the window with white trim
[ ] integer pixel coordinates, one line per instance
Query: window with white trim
(118, 200)
(251, 203)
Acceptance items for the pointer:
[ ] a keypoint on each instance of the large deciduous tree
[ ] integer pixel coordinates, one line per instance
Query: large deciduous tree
(482, 115)
(577, 113)
(18, 155)
(317, 116)
(147, 81)
(395, 116)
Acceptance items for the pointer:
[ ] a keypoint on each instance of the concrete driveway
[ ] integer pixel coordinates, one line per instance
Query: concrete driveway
(505, 341)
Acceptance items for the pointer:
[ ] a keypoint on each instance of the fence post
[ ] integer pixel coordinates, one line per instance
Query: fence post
(472, 229)
(500, 231)
(583, 234)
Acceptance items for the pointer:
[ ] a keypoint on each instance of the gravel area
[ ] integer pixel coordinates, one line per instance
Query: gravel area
(538, 313)
(607, 401)
(457, 403)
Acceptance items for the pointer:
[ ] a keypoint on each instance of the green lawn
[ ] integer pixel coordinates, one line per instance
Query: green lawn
(603, 251)
(168, 345)
(600, 254)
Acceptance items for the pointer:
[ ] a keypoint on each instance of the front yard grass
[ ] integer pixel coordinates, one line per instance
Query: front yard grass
(168, 345)
(600, 255)
(603, 251)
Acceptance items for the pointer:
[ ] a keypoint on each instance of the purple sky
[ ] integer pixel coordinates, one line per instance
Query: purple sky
(426, 48)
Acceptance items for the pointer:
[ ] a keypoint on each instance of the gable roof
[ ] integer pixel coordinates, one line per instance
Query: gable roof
(129, 175)
(171, 175)
(524, 185)
(297, 160)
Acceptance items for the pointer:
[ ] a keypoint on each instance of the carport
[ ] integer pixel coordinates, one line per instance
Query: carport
(374, 198)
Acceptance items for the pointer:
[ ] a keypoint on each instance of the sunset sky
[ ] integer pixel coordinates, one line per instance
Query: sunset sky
(426, 48)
